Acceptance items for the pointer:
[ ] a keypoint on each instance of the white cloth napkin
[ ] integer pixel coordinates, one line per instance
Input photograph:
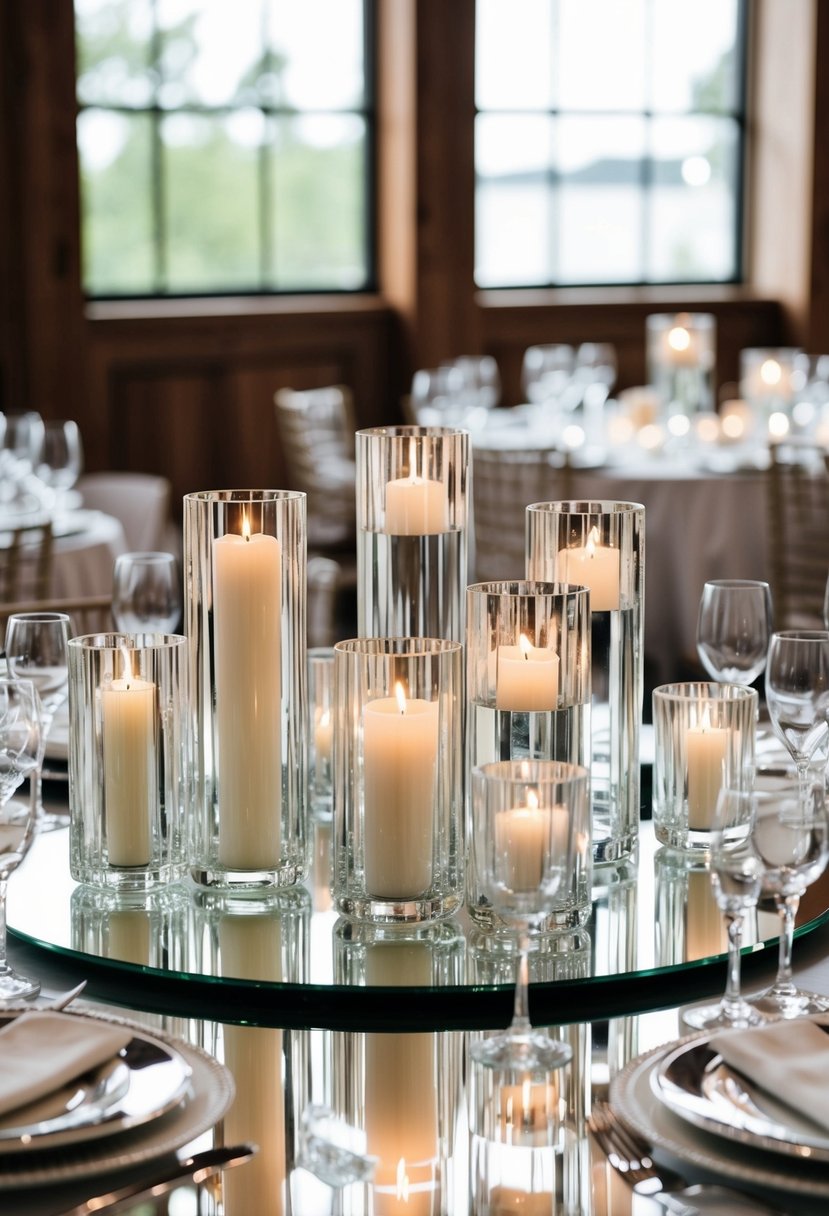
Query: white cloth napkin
(788, 1059)
(40, 1052)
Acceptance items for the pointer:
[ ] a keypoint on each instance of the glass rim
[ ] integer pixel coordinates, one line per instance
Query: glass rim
(397, 647)
(737, 582)
(244, 496)
(527, 589)
(682, 691)
(581, 506)
(531, 772)
(699, 320)
(146, 555)
(800, 635)
(39, 617)
(130, 641)
(412, 431)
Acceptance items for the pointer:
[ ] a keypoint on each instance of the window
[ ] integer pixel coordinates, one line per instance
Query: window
(224, 147)
(608, 141)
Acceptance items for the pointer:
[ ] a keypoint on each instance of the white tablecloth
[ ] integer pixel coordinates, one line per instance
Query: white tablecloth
(85, 548)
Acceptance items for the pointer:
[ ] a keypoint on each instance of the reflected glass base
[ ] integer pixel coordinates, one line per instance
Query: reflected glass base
(403, 911)
(14, 987)
(528, 1052)
(738, 1016)
(288, 875)
(795, 1004)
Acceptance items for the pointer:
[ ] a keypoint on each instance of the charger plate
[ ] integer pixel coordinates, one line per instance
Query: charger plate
(632, 1096)
(695, 1083)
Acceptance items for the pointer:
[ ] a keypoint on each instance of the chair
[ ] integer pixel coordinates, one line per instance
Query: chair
(798, 505)
(88, 614)
(316, 427)
(141, 501)
(26, 562)
(504, 483)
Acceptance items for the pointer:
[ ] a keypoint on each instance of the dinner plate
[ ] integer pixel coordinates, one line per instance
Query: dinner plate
(631, 1093)
(143, 1082)
(697, 1085)
(212, 1093)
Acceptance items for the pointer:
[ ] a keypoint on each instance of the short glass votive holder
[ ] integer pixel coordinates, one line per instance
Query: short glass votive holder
(601, 545)
(398, 779)
(412, 531)
(681, 356)
(129, 760)
(245, 611)
(772, 378)
(704, 737)
(151, 931)
(320, 729)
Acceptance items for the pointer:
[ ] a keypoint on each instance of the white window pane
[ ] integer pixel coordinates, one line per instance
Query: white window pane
(601, 233)
(513, 235)
(318, 48)
(513, 144)
(211, 51)
(513, 54)
(694, 58)
(601, 55)
(113, 52)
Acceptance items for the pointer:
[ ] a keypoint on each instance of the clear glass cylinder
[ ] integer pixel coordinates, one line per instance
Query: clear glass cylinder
(682, 355)
(772, 378)
(129, 760)
(704, 736)
(149, 932)
(398, 779)
(528, 693)
(601, 545)
(320, 729)
(424, 955)
(245, 611)
(412, 531)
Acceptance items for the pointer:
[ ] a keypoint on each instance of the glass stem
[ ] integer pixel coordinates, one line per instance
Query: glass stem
(4, 966)
(521, 1008)
(787, 906)
(803, 782)
(732, 999)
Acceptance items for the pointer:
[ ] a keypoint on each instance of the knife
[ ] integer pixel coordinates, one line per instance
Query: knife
(196, 1169)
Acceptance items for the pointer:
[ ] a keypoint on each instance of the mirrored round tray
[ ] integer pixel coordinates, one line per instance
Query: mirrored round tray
(655, 937)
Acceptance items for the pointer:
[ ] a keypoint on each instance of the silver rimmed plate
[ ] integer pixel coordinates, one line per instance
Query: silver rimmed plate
(146, 1080)
(694, 1082)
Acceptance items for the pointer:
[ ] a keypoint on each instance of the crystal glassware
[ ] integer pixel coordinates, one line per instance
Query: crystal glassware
(736, 874)
(733, 629)
(20, 750)
(60, 459)
(525, 840)
(146, 593)
(797, 695)
(37, 650)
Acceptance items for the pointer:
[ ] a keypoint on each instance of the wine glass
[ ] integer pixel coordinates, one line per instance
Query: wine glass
(736, 874)
(733, 629)
(60, 458)
(37, 650)
(146, 593)
(791, 837)
(797, 694)
(20, 747)
(525, 845)
(547, 372)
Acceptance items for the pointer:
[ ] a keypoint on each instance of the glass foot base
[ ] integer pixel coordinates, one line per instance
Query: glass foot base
(721, 1017)
(14, 987)
(532, 1052)
(797, 1004)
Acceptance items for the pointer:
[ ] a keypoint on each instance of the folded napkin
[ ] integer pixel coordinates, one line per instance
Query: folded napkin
(40, 1052)
(788, 1059)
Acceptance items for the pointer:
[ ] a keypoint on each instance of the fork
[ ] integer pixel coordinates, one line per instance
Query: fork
(627, 1152)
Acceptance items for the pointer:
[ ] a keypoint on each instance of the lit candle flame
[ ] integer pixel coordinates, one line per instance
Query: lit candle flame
(678, 338)
(526, 1100)
(592, 542)
(412, 459)
(532, 800)
(245, 528)
(770, 372)
(402, 1181)
(705, 720)
(325, 717)
(400, 693)
(525, 646)
(127, 668)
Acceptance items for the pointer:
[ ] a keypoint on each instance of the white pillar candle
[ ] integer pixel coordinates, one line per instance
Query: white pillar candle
(705, 748)
(416, 506)
(323, 731)
(510, 1201)
(524, 843)
(527, 1111)
(526, 678)
(128, 748)
(128, 935)
(705, 930)
(247, 608)
(680, 347)
(400, 745)
(594, 566)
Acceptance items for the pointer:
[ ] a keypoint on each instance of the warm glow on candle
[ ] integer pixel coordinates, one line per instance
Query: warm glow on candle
(245, 527)
(707, 748)
(402, 1181)
(770, 372)
(679, 339)
(400, 694)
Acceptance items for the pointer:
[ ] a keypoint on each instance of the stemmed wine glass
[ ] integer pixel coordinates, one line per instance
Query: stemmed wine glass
(524, 847)
(60, 458)
(37, 649)
(797, 694)
(736, 874)
(733, 629)
(20, 746)
(146, 593)
(791, 837)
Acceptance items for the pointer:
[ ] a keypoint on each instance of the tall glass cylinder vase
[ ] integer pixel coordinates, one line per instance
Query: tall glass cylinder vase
(129, 760)
(601, 545)
(528, 698)
(681, 352)
(245, 610)
(412, 531)
(398, 779)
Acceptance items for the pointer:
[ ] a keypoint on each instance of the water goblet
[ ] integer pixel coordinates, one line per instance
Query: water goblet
(791, 837)
(146, 593)
(20, 746)
(60, 459)
(37, 649)
(736, 875)
(733, 629)
(525, 842)
(797, 695)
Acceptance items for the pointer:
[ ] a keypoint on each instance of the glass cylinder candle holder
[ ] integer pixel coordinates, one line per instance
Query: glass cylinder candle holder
(398, 779)
(263, 936)
(704, 736)
(528, 692)
(601, 545)
(681, 355)
(421, 955)
(412, 531)
(320, 729)
(129, 760)
(152, 931)
(245, 611)
(770, 379)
